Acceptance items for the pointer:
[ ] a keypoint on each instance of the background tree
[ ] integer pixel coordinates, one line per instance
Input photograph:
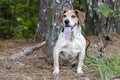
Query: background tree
(102, 14)
(49, 25)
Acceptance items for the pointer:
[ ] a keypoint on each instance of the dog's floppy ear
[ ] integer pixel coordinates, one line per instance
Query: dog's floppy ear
(61, 15)
(81, 16)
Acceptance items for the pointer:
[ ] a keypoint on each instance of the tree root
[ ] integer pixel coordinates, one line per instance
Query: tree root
(26, 51)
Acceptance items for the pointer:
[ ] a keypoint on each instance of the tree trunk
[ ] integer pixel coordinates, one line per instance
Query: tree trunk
(96, 22)
(49, 25)
(42, 25)
(54, 26)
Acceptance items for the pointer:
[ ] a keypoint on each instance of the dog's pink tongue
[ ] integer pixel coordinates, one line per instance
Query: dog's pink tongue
(67, 31)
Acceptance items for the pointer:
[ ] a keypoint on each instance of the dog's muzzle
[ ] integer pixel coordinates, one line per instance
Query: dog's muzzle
(67, 30)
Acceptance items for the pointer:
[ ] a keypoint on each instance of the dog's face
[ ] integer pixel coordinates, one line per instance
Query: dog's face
(70, 18)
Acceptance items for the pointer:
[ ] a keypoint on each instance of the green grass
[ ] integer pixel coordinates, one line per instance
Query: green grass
(106, 67)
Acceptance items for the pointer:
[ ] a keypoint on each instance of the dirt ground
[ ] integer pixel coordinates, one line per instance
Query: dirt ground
(37, 67)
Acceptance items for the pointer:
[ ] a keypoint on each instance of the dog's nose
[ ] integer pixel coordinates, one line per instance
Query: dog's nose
(66, 21)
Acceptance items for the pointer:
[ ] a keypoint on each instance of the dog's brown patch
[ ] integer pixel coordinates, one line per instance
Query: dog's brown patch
(74, 14)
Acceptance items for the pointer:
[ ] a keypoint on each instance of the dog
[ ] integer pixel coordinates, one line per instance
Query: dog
(71, 44)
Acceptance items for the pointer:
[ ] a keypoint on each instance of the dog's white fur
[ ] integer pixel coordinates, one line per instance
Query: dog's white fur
(71, 46)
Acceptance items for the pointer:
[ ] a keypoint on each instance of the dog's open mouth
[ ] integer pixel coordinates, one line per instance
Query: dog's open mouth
(67, 31)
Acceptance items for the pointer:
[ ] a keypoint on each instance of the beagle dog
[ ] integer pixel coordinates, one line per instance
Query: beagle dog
(71, 44)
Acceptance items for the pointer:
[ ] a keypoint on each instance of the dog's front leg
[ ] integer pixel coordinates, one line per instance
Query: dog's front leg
(56, 62)
(80, 62)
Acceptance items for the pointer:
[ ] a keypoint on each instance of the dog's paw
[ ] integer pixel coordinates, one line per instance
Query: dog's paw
(56, 72)
(79, 71)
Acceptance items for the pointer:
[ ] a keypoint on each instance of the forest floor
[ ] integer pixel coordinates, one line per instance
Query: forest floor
(37, 67)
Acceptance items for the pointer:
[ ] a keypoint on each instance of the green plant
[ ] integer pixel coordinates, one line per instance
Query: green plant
(106, 11)
(79, 4)
(106, 67)
(18, 18)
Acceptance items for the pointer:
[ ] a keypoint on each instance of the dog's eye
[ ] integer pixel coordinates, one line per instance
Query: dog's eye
(64, 15)
(73, 16)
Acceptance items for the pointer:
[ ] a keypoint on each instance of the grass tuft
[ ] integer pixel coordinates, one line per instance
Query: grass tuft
(107, 67)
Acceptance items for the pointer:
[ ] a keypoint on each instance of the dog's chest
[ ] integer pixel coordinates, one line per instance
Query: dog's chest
(70, 48)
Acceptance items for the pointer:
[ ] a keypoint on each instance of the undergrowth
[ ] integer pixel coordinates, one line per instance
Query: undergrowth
(108, 66)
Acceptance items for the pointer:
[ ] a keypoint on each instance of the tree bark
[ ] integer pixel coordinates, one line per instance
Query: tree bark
(42, 25)
(49, 25)
(54, 25)
(96, 22)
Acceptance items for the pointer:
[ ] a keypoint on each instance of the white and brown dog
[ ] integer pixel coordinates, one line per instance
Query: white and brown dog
(71, 44)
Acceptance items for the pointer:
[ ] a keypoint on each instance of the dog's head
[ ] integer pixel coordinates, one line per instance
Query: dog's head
(71, 18)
